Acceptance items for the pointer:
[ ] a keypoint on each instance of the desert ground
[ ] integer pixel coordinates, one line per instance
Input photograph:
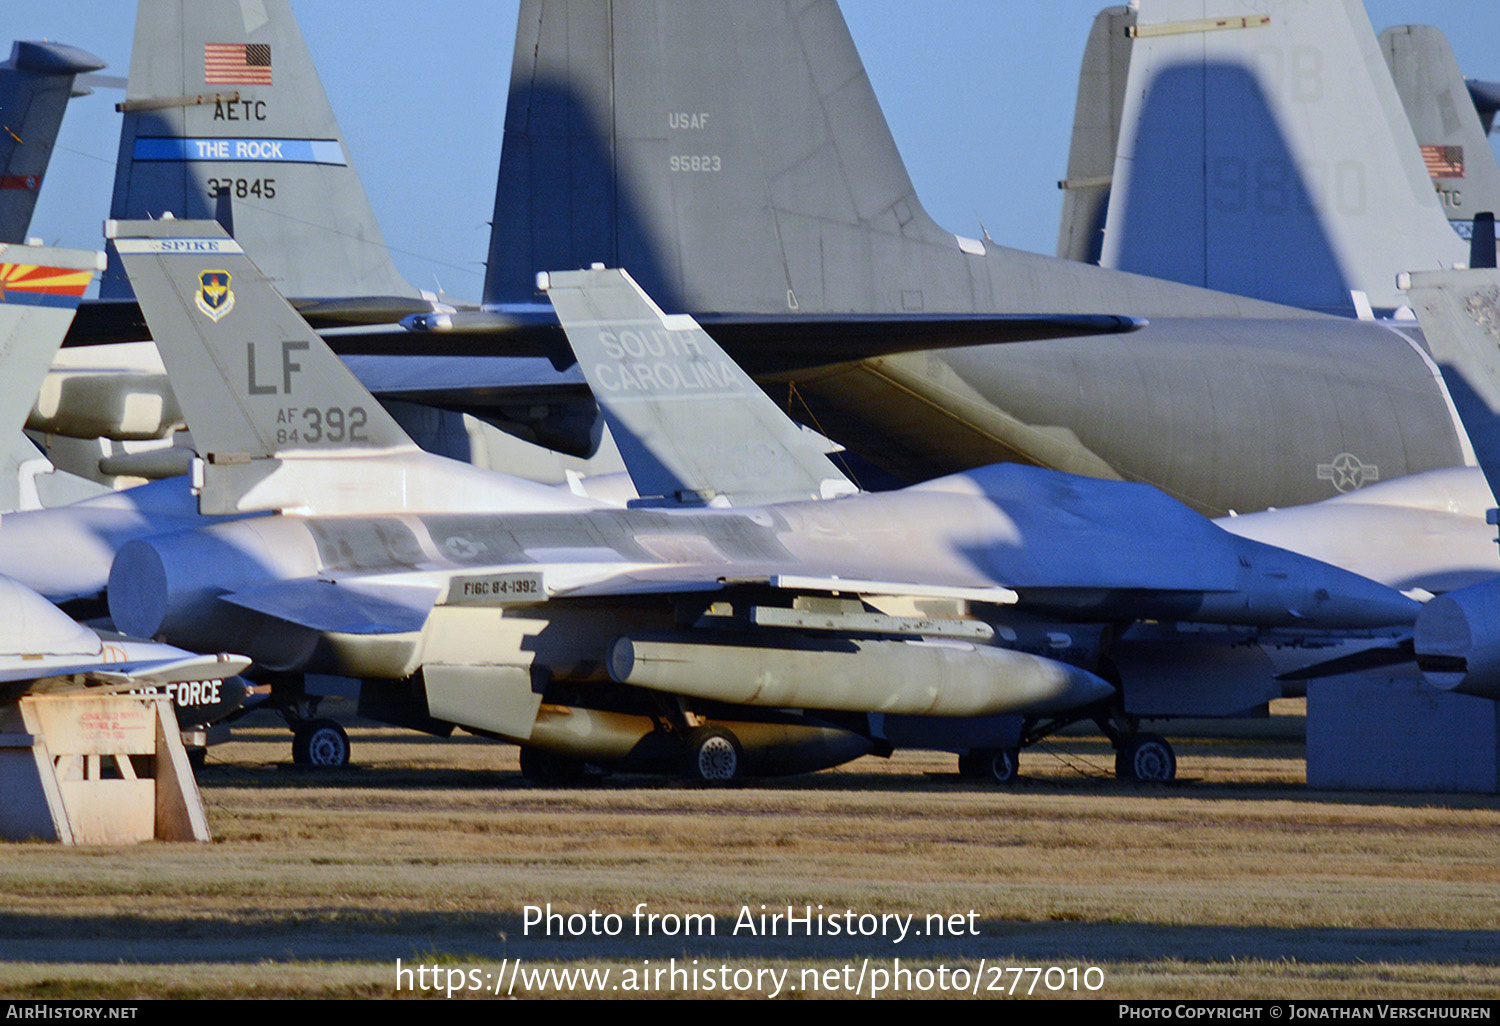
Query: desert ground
(1234, 882)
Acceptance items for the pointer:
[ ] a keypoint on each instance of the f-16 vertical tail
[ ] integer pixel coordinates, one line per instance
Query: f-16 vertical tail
(691, 426)
(39, 291)
(734, 159)
(35, 85)
(1263, 150)
(1455, 146)
(278, 420)
(1460, 316)
(225, 119)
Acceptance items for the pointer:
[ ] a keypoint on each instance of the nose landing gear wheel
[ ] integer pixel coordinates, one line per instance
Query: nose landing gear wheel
(713, 754)
(320, 743)
(1147, 757)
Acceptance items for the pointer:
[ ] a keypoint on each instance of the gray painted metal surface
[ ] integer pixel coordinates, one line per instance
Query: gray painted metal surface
(1266, 152)
(225, 118)
(1455, 145)
(35, 85)
(733, 159)
(393, 581)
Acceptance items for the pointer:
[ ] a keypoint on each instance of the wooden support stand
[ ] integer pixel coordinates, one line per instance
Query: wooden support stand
(96, 769)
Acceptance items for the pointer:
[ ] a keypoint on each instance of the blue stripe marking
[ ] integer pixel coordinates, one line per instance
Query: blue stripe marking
(18, 297)
(252, 151)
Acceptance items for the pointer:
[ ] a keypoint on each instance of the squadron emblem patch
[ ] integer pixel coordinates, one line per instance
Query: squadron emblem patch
(214, 297)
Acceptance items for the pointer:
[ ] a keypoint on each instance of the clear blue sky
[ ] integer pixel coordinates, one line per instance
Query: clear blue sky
(979, 94)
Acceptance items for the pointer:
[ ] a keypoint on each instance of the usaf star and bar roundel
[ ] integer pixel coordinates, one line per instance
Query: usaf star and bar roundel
(214, 296)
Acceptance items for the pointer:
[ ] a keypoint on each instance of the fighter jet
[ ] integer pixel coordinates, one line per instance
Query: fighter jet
(1457, 636)
(43, 651)
(750, 579)
(35, 85)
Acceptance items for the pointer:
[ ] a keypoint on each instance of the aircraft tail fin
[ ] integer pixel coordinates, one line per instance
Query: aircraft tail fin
(734, 159)
(1455, 146)
(254, 381)
(225, 119)
(1460, 316)
(691, 426)
(1266, 152)
(39, 291)
(1096, 134)
(35, 85)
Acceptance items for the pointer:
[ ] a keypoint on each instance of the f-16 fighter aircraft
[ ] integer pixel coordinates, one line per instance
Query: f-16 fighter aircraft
(748, 614)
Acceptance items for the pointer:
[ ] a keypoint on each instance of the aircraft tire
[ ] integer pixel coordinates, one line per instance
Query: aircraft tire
(548, 769)
(320, 743)
(1146, 757)
(992, 765)
(713, 755)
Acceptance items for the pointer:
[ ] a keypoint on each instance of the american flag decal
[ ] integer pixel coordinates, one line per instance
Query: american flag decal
(237, 63)
(1444, 161)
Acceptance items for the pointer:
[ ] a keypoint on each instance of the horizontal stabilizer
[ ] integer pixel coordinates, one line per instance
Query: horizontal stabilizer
(175, 671)
(342, 607)
(691, 426)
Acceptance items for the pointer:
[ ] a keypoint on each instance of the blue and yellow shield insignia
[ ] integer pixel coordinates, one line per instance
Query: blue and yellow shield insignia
(215, 298)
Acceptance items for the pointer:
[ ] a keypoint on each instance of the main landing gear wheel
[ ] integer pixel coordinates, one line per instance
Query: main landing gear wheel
(995, 765)
(713, 754)
(549, 769)
(320, 743)
(1147, 757)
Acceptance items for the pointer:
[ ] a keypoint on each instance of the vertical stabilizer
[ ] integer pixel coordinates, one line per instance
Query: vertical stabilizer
(1263, 150)
(691, 426)
(35, 85)
(39, 291)
(1096, 134)
(254, 381)
(225, 119)
(1460, 316)
(733, 158)
(1455, 147)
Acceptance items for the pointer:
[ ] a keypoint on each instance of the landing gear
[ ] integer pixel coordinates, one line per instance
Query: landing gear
(1146, 757)
(713, 755)
(549, 769)
(994, 765)
(320, 743)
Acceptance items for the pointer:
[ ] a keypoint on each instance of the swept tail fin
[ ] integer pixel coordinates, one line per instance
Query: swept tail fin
(225, 119)
(253, 379)
(1460, 316)
(39, 290)
(35, 85)
(1096, 135)
(690, 425)
(1265, 151)
(733, 157)
(1455, 146)
(278, 420)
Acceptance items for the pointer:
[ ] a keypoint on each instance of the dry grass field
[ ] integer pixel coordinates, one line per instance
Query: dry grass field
(1236, 882)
